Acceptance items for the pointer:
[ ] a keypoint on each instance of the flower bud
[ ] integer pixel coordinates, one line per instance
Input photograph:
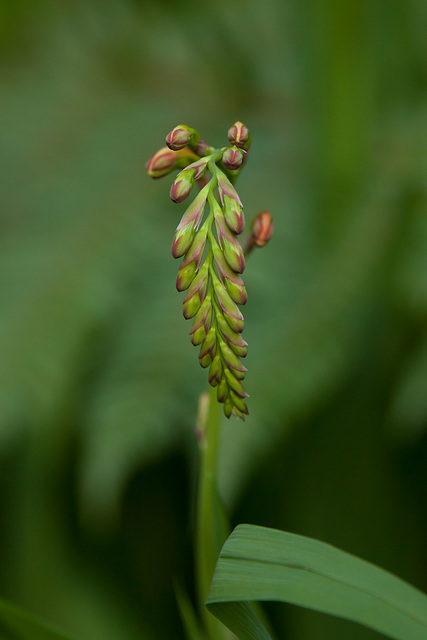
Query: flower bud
(238, 134)
(230, 357)
(197, 248)
(232, 158)
(182, 136)
(228, 407)
(226, 188)
(198, 336)
(205, 361)
(209, 343)
(236, 292)
(227, 305)
(215, 372)
(239, 403)
(233, 253)
(262, 228)
(235, 384)
(162, 163)
(199, 284)
(202, 316)
(183, 240)
(233, 215)
(232, 338)
(182, 185)
(186, 275)
(222, 390)
(194, 212)
(191, 306)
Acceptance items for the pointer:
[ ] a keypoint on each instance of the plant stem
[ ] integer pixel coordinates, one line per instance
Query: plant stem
(211, 527)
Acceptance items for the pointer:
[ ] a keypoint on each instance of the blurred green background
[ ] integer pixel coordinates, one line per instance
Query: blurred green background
(98, 380)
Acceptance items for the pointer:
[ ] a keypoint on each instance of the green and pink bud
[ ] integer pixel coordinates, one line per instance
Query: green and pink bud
(235, 385)
(197, 249)
(230, 358)
(182, 136)
(215, 371)
(186, 275)
(233, 214)
(209, 343)
(165, 161)
(199, 284)
(237, 292)
(222, 390)
(233, 252)
(233, 157)
(182, 185)
(239, 403)
(238, 135)
(225, 188)
(189, 224)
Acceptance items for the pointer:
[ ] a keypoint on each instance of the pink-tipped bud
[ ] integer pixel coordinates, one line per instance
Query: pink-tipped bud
(233, 253)
(182, 185)
(162, 163)
(238, 134)
(183, 240)
(262, 229)
(232, 158)
(182, 136)
(233, 214)
(186, 275)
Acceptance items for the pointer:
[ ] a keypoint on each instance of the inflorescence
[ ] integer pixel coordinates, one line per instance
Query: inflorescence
(213, 258)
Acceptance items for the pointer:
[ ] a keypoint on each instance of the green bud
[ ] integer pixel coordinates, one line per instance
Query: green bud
(209, 343)
(233, 253)
(239, 403)
(199, 284)
(233, 214)
(230, 309)
(237, 292)
(225, 188)
(222, 390)
(197, 248)
(205, 361)
(191, 306)
(230, 357)
(231, 337)
(183, 240)
(235, 384)
(198, 336)
(224, 269)
(215, 372)
(242, 352)
(202, 316)
(239, 414)
(182, 185)
(228, 407)
(186, 275)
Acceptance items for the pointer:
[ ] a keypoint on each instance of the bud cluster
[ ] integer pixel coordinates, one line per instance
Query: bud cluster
(213, 258)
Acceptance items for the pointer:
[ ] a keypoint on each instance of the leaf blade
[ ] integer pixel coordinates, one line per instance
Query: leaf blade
(265, 564)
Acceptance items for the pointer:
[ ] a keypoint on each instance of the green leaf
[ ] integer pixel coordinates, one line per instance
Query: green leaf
(16, 624)
(265, 564)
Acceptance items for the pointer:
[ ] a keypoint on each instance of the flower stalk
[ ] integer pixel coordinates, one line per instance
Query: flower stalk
(213, 259)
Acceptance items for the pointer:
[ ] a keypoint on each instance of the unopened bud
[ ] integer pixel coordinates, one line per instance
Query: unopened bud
(239, 404)
(262, 229)
(233, 253)
(222, 390)
(233, 214)
(238, 134)
(183, 240)
(237, 292)
(235, 384)
(230, 358)
(165, 161)
(182, 136)
(186, 275)
(182, 185)
(233, 157)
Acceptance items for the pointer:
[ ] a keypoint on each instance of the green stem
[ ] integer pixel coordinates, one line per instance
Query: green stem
(211, 528)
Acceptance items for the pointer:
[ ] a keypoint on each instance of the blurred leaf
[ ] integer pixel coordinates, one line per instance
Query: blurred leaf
(16, 624)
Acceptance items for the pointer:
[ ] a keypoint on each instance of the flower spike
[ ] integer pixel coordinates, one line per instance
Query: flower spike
(212, 257)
